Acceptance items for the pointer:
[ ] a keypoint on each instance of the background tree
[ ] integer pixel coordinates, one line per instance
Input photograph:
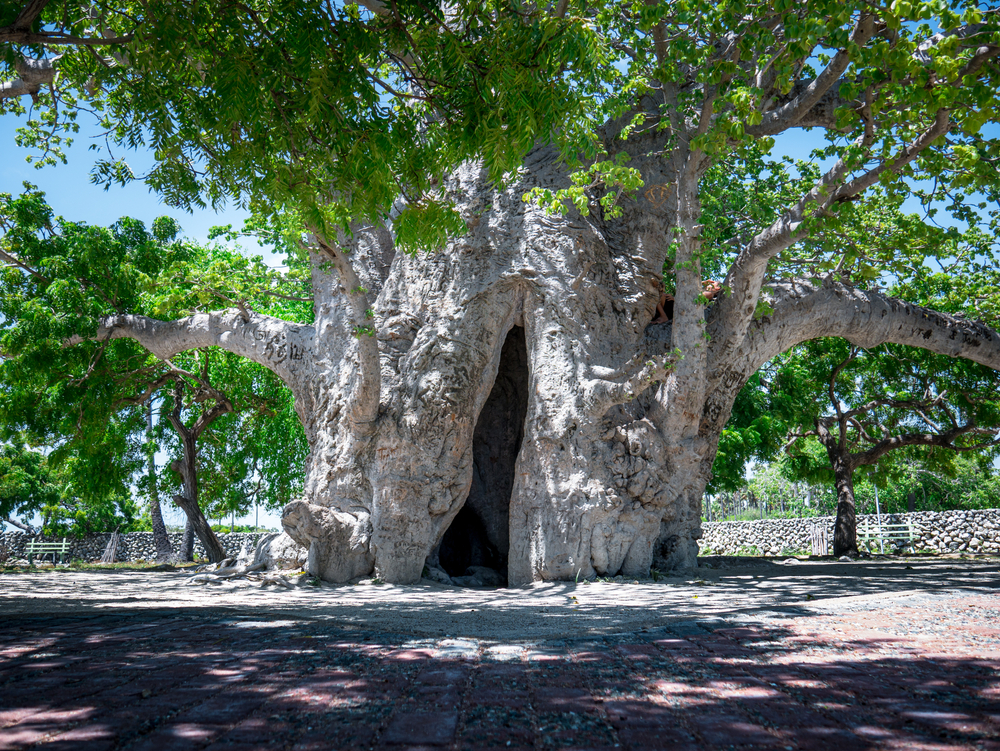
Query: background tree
(945, 269)
(71, 493)
(151, 485)
(883, 401)
(905, 480)
(253, 456)
(26, 485)
(364, 131)
(60, 274)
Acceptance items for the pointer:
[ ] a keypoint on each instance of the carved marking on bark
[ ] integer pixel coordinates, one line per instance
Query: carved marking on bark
(658, 194)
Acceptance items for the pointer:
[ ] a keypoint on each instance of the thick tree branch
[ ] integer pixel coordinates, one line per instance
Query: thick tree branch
(34, 76)
(913, 405)
(614, 387)
(804, 311)
(151, 388)
(28, 15)
(20, 33)
(943, 440)
(57, 38)
(18, 263)
(21, 525)
(904, 157)
(286, 348)
(832, 385)
(788, 115)
(746, 275)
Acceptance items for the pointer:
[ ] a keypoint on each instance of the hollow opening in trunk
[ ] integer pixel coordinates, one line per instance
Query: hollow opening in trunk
(479, 536)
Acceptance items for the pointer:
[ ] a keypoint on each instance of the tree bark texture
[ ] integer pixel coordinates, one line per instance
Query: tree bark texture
(187, 499)
(187, 542)
(845, 531)
(515, 373)
(164, 551)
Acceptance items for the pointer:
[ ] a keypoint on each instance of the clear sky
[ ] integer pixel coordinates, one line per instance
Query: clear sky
(73, 196)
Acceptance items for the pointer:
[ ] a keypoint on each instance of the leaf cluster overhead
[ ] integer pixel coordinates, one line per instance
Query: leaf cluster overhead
(339, 111)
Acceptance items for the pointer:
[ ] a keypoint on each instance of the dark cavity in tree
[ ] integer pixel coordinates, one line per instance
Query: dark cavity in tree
(480, 533)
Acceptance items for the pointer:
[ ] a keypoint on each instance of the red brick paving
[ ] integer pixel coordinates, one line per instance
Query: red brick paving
(921, 677)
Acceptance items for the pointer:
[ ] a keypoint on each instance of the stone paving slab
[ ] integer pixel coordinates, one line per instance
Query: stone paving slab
(918, 670)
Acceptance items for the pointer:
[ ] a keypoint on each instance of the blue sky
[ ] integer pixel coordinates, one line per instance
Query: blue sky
(73, 196)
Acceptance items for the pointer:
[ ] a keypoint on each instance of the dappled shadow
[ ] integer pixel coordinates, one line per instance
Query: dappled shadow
(738, 590)
(910, 678)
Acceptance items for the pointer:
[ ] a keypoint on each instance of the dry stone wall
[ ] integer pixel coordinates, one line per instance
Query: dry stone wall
(134, 546)
(975, 531)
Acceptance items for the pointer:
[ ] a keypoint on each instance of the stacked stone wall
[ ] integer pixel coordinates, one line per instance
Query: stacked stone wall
(976, 531)
(132, 547)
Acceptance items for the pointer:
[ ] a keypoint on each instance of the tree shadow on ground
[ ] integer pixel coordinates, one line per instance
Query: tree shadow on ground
(736, 591)
(163, 680)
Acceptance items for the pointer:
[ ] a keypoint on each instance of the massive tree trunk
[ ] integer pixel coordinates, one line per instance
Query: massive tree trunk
(516, 372)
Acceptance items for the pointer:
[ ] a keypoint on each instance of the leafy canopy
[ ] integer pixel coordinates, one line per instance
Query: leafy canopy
(87, 402)
(335, 112)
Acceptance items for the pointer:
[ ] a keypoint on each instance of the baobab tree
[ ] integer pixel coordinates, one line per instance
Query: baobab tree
(545, 167)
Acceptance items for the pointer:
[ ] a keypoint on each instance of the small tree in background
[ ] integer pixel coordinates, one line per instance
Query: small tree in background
(91, 400)
(886, 400)
(27, 485)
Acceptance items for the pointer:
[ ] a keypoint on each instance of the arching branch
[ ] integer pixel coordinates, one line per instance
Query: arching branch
(945, 439)
(746, 276)
(22, 24)
(283, 347)
(804, 311)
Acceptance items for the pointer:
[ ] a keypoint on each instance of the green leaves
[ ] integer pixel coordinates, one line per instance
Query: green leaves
(86, 402)
(298, 105)
(303, 107)
(612, 177)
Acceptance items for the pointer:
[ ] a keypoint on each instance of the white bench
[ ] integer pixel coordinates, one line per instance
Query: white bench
(877, 537)
(45, 548)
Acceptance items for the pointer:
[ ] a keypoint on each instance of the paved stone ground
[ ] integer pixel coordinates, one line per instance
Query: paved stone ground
(913, 665)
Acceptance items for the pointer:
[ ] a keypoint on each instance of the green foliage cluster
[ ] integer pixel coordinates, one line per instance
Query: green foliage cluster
(335, 111)
(27, 484)
(61, 495)
(777, 491)
(326, 109)
(86, 403)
